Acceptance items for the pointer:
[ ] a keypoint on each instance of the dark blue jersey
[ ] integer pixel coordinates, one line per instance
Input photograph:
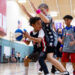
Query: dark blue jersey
(49, 33)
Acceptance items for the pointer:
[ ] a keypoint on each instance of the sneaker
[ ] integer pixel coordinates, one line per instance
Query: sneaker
(65, 73)
(57, 72)
(39, 72)
(53, 70)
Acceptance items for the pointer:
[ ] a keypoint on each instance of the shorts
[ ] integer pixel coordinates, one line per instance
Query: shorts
(50, 49)
(66, 57)
(34, 56)
(57, 52)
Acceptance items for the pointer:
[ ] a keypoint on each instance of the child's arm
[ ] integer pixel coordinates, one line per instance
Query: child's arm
(26, 40)
(38, 40)
(72, 43)
(25, 10)
(62, 42)
(42, 16)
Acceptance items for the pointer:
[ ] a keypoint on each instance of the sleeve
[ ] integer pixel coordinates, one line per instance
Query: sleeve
(41, 33)
(51, 21)
(49, 17)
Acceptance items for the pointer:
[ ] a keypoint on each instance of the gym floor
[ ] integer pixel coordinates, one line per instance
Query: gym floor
(18, 69)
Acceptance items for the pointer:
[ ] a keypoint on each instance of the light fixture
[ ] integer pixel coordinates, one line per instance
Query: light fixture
(53, 13)
(21, 1)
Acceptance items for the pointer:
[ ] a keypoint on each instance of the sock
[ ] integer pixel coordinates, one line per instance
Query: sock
(26, 70)
(73, 72)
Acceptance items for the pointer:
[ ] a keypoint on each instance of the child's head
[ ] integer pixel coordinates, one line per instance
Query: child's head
(35, 22)
(59, 31)
(68, 19)
(44, 8)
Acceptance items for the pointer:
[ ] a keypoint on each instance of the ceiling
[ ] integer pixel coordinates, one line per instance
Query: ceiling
(57, 8)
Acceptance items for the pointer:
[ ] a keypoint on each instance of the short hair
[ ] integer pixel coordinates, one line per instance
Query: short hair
(68, 17)
(33, 20)
(43, 5)
(58, 29)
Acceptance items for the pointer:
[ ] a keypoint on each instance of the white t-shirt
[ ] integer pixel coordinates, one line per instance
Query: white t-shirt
(41, 33)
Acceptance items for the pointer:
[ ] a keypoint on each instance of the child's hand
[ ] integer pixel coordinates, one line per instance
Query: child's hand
(72, 43)
(60, 49)
(60, 40)
(26, 34)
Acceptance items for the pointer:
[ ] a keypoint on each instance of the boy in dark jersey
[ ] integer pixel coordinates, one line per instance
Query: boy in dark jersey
(68, 42)
(36, 36)
(47, 26)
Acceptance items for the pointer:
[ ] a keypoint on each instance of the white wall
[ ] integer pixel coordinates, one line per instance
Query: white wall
(14, 13)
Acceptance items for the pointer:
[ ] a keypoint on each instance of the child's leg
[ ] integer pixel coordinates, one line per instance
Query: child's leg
(26, 64)
(65, 58)
(53, 69)
(73, 62)
(64, 64)
(73, 66)
(58, 58)
(56, 63)
(42, 63)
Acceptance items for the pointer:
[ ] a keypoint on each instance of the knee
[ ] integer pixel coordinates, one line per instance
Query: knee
(50, 58)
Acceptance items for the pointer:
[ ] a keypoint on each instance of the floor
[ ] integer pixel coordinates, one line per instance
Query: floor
(18, 69)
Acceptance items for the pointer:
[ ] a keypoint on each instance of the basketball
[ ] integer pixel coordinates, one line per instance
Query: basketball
(18, 34)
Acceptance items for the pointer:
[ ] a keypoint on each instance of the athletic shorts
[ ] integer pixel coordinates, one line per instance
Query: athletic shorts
(67, 56)
(58, 53)
(50, 49)
(34, 56)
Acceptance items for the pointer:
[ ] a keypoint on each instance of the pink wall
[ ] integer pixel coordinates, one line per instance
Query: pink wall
(3, 7)
(2, 17)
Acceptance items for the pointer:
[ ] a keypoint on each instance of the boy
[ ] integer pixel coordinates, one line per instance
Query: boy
(36, 36)
(68, 42)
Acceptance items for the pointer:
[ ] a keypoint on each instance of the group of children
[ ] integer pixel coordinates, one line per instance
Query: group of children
(45, 40)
